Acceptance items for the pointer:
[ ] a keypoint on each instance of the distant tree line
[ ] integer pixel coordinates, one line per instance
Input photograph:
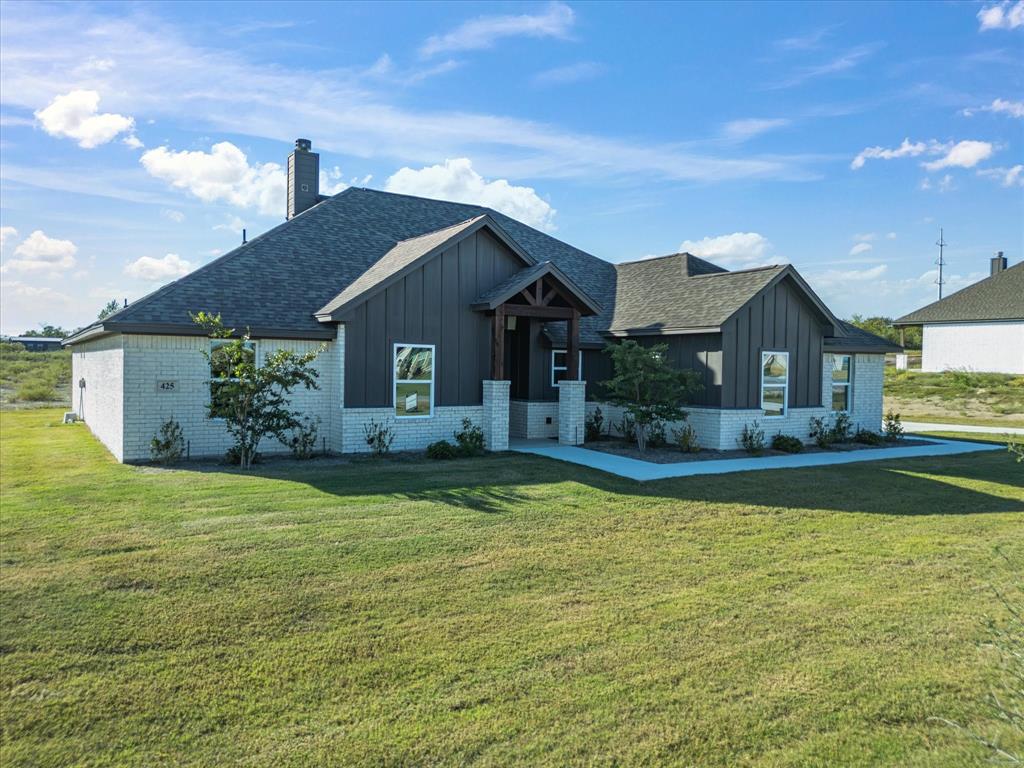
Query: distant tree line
(882, 326)
(56, 332)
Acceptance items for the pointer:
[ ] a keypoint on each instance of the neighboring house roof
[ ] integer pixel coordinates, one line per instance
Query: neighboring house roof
(36, 339)
(526, 277)
(997, 297)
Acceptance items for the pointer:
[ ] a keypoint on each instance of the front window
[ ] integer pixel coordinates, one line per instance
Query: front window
(774, 383)
(560, 366)
(223, 371)
(842, 366)
(414, 380)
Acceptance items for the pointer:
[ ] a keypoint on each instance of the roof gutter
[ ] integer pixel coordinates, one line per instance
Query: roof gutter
(619, 332)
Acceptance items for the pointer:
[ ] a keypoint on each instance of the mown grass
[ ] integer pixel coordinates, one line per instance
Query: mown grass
(494, 611)
(34, 377)
(992, 399)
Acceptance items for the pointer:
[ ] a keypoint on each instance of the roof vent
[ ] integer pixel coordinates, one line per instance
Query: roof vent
(998, 263)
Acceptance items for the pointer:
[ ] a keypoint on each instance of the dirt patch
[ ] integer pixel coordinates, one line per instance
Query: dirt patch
(669, 455)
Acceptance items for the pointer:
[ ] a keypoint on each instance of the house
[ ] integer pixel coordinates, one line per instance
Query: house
(37, 343)
(978, 328)
(433, 311)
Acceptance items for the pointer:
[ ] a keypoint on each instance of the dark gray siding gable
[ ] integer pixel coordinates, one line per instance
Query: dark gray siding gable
(430, 305)
(781, 319)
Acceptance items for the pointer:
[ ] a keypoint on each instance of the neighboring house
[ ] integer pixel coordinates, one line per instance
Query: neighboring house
(978, 328)
(434, 311)
(37, 343)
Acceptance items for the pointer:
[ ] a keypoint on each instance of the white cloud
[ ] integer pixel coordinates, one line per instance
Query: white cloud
(890, 236)
(740, 250)
(845, 61)
(7, 234)
(865, 237)
(1004, 15)
(946, 184)
(741, 130)
(964, 154)
(233, 224)
(331, 182)
(222, 174)
(155, 270)
(836, 277)
(39, 253)
(36, 294)
(571, 73)
(456, 180)
(906, 149)
(999, 106)
(172, 215)
(76, 115)
(132, 141)
(485, 31)
(1008, 177)
(860, 248)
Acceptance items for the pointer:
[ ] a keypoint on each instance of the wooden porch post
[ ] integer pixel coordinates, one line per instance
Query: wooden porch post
(572, 347)
(498, 344)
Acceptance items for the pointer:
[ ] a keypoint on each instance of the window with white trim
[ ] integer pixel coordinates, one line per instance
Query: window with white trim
(221, 372)
(560, 366)
(414, 381)
(774, 383)
(842, 376)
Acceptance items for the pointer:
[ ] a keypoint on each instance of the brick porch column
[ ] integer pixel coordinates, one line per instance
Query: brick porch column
(572, 410)
(495, 424)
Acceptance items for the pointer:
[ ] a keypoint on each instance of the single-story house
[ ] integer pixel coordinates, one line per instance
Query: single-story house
(434, 311)
(978, 328)
(37, 343)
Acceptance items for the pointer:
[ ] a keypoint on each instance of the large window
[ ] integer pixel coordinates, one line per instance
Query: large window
(222, 372)
(414, 380)
(774, 383)
(560, 366)
(842, 368)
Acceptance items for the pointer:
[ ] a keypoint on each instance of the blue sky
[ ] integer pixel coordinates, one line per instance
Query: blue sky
(137, 140)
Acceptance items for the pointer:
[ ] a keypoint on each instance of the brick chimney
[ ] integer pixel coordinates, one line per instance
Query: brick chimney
(303, 178)
(998, 263)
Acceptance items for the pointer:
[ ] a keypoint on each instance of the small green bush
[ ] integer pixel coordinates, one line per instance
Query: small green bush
(595, 426)
(685, 438)
(821, 432)
(470, 439)
(893, 427)
(867, 437)
(787, 443)
(303, 437)
(379, 436)
(35, 392)
(751, 439)
(233, 455)
(656, 434)
(627, 428)
(842, 429)
(168, 444)
(441, 450)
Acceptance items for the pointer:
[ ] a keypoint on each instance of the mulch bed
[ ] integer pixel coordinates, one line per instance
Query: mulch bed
(671, 455)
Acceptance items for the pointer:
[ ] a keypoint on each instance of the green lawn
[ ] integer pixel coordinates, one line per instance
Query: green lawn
(494, 611)
(956, 397)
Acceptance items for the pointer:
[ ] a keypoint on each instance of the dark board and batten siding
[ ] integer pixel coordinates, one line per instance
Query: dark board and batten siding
(777, 319)
(430, 305)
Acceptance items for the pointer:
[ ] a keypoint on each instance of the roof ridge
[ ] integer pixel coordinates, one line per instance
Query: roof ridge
(655, 258)
(741, 271)
(462, 223)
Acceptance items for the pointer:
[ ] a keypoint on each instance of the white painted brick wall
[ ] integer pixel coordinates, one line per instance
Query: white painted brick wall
(529, 419)
(572, 408)
(496, 414)
(101, 402)
(868, 381)
(410, 434)
(989, 347)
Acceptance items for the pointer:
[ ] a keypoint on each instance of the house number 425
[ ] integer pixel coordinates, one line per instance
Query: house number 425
(166, 386)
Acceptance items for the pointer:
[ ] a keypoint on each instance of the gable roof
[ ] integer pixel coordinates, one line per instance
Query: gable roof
(526, 277)
(997, 297)
(850, 338)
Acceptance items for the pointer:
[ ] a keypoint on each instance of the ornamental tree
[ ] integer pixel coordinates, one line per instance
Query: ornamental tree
(253, 399)
(647, 387)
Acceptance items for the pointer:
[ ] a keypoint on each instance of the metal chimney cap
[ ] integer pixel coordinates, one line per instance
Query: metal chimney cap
(303, 145)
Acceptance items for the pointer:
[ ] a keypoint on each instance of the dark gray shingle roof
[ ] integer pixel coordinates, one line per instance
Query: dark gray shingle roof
(997, 297)
(858, 340)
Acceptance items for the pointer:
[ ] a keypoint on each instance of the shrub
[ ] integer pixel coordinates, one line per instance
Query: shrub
(752, 438)
(842, 429)
(627, 428)
(867, 437)
(303, 439)
(656, 434)
(821, 432)
(379, 436)
(168, 444)
(233, 455)
(1017, 449)
(787, 443)
(440, 450)
(470, 439)
(685, 438)
(595, 426)
(893, 427)
(35, 392)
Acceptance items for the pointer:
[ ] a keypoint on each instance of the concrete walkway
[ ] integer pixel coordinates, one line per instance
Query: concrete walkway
(931, 426)
(634, 469)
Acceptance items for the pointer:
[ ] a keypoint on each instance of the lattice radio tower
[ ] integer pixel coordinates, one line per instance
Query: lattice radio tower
(941, 261)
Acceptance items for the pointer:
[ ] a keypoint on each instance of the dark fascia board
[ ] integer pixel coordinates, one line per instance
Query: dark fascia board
(171, 329)
(624, 332)
(485, 220)
(548, 269)
(790, 271)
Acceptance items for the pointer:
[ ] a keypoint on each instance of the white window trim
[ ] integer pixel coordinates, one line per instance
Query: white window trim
(395, 381)
(785, 387)
(554, 368)
(255, 358)
(848, 384)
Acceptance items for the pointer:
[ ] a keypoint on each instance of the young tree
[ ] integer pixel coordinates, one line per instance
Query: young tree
(254, 399)
(647, 387)
(108, 309)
